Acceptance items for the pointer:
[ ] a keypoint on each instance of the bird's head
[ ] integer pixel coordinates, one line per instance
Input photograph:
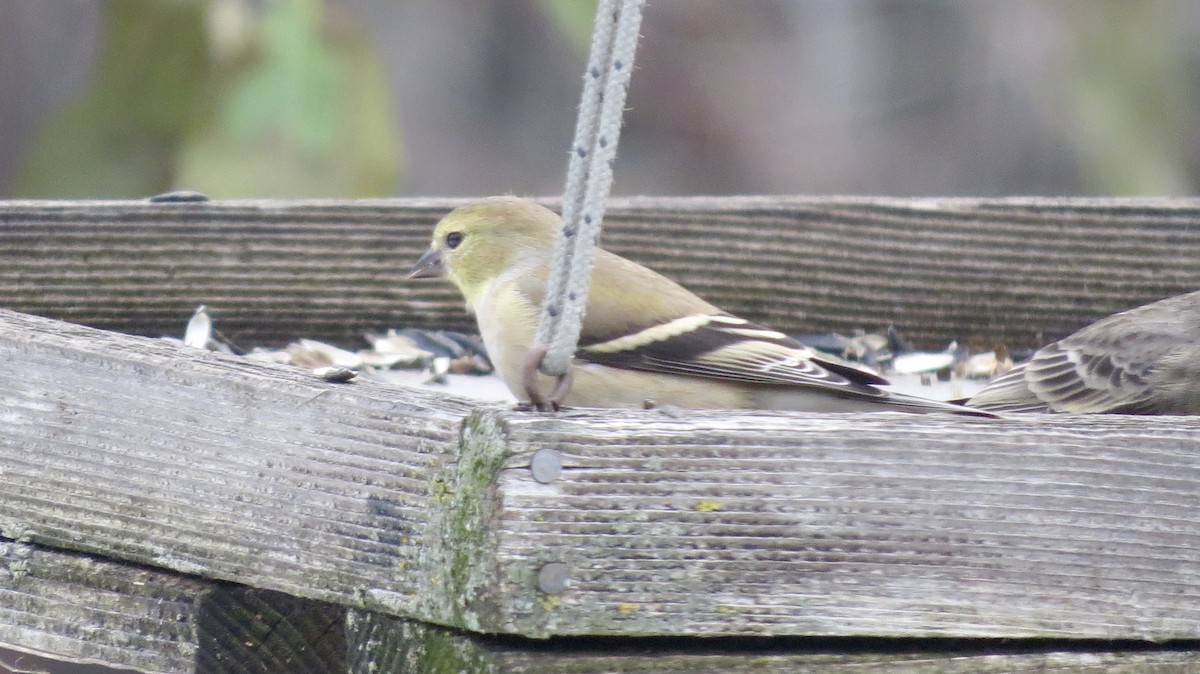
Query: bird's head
(479, 241)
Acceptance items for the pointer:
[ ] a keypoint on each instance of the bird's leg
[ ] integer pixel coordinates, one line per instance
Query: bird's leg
(562, 386)
(529, 377)
(529, 380)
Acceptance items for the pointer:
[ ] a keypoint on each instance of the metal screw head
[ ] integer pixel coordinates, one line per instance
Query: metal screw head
(546, 465)
(553, 577)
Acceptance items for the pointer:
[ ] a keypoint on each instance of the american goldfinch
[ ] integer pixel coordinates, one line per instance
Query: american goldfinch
(645, 338)
(1142, 361)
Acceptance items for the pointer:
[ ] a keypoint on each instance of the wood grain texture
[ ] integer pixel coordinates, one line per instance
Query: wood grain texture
(219, 467)
(245, 629)
(707, 524)
(851, 525)
(1023, 271)
(77, 608)
(395, 645)
(269, 272)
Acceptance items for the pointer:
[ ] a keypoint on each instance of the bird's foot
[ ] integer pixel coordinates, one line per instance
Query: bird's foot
(529, 381)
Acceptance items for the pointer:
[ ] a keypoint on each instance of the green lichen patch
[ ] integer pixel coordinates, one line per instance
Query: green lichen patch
(460, 545)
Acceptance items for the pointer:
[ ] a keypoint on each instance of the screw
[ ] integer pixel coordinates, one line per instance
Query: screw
(546, 465)
(552, 578)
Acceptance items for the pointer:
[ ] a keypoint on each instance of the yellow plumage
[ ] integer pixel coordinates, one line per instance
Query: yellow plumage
(644, 337)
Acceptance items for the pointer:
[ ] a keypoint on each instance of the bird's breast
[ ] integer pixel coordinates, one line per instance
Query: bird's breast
(507, 322)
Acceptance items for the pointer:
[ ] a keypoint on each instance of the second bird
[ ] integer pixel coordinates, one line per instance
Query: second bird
(1142, 361)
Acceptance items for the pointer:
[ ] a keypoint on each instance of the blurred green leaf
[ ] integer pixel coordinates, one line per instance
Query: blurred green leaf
(120, 138)
(1127, 124)
(292, 89)
(310, 116)
(573, 18)
(297, 110)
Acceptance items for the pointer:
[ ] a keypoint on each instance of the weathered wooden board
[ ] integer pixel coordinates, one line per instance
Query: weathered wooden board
(217, 466)
(1021, 271)
(380, 644)
(873, 524)
(76, 608)
(700, 523)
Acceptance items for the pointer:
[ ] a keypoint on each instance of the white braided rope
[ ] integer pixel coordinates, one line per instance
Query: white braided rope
(589, 178)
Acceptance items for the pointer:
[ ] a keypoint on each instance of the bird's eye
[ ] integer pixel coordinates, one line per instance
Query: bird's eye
(453, 239)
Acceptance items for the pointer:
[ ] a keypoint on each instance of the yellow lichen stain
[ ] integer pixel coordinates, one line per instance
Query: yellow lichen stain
(707, 505)
(401, 565)
(727, 610)
(548, 602)
(441, 493)
(627, 609)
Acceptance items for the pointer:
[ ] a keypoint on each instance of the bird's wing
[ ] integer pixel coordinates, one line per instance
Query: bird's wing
(721, 346)
(1085, 380)
(1008, 393)
(673, 331)
(1059, 379)
(1108, 366)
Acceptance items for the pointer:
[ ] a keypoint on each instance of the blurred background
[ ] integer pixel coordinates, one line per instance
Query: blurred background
(376, 98)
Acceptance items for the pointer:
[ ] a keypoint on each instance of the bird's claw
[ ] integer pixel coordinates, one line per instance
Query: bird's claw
(529, 380)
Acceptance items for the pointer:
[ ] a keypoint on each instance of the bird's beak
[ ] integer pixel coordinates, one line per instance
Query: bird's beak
(429, 266)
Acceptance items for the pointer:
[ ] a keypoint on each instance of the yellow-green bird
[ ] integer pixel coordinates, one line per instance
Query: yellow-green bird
(645, 339)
